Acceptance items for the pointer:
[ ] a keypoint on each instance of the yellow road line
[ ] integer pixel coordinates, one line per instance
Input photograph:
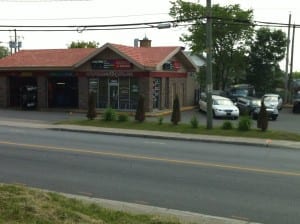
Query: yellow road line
(150, 158)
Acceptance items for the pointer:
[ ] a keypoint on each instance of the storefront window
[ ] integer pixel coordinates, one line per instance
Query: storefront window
(94, 87)
(156, 93)
(124, 93)
(118, 93)
(103, 92)
(134, 93)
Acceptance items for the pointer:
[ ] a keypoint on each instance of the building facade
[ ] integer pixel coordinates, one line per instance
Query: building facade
(118, 74)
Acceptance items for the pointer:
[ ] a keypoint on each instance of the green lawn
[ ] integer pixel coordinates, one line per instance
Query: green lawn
(19, 204)
(186, 128)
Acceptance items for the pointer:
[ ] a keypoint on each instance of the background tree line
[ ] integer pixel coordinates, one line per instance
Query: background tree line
(241, 53)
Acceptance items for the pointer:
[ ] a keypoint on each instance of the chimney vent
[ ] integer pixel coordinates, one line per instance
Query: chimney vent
(145, 42)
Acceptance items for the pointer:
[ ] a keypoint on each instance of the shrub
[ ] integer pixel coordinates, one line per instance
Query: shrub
(160, 120)
(227, 125)
(109, 114)
(140, 110)
(91, 113)
(194, 122)
(244, 123)
(123, 117)
(175, 118)
(263, 119)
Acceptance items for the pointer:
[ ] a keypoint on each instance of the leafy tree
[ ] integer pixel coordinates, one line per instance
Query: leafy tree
(175, 118)
(83, 44)
(266, 51)
(296, 75)
(232, 28)
(262, 120)
(140, 110)
(91, 113)
(3, 52)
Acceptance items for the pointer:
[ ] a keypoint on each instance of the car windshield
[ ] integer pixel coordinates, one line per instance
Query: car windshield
(223, 102)
(240, 92)
(271, 99)
(256, 103)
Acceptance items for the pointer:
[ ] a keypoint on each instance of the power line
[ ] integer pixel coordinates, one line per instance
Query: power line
(140, 25)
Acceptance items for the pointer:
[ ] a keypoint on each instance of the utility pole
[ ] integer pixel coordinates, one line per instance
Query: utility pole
(292, 61)
(15, 41)
(209, 85)
(287, 63)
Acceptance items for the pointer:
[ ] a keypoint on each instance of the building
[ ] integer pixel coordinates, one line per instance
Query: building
(117, 73)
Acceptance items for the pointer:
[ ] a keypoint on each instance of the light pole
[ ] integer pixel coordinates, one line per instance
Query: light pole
(209, 85)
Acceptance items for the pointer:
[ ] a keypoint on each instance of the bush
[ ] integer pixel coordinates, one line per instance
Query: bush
(123, 117)
(263, 119)
(227, 125)
(160, 120)
(194, 122)
(91, 113)
(140, 110)
(109, 114)
(175, 118)
(244, 123)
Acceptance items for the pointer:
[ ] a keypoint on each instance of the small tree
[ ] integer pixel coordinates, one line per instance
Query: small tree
(140, 110)
(91, 113)
(176, 111)
(262, 120)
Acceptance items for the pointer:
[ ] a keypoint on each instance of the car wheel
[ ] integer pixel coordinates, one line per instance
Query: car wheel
(274, 118)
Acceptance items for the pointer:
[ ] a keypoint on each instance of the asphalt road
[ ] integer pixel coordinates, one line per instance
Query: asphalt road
(253, 183)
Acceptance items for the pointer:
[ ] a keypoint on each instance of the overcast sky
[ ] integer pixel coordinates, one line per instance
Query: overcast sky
(100, 12)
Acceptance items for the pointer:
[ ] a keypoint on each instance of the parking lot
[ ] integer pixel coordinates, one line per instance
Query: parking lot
(286, 121)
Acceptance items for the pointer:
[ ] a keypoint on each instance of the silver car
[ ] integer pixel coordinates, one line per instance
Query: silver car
(272, 100)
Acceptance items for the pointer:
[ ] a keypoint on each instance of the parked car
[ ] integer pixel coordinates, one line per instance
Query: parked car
(272, 113)
(273, 100)
(240, 90)
(221, 106)
(296, 102)
(251, 106)
(248, 104)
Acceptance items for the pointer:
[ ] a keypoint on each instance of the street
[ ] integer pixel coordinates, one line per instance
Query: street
(258, 184)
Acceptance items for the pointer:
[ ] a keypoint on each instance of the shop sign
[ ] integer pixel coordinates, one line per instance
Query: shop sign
(172, 66)
(109, 74)
(108, 64)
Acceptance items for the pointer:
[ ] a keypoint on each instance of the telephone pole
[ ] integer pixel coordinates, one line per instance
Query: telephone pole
(286, 80)
(209, 85)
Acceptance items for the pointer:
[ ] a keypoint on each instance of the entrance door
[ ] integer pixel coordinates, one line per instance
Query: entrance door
(114, 96)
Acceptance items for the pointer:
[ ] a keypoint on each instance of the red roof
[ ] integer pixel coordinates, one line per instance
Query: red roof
(46, 58)
(148, 57)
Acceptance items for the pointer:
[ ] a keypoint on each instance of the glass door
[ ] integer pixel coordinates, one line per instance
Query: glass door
(113, 91)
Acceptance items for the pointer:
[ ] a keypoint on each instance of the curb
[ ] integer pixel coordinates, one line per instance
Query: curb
(184, 217)
(180, 136)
